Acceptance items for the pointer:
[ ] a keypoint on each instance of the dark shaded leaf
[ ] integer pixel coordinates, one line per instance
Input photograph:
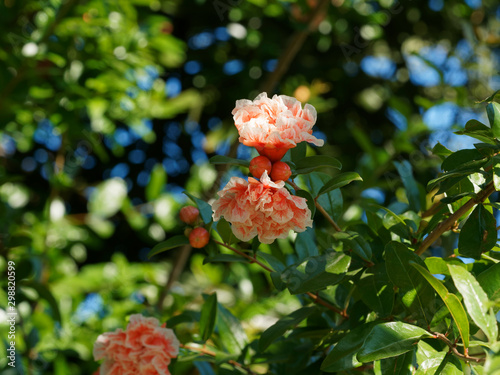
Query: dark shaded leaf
(311, 163)
(340, 181)
(412, 191)
(354, 242)
(493, 112)
(204, 207)
(208, 316)
(169, 244)
(478, 234)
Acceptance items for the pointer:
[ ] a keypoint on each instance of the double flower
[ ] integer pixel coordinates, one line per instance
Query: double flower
(266, 208)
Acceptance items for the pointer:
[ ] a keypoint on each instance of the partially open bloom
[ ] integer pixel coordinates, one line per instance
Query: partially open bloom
(274, 125)
(261, 208)
(144, 348)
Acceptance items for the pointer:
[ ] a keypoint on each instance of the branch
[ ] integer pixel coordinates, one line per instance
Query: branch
(317, 299)
(450, 221)
(213, 354)
(454, 350)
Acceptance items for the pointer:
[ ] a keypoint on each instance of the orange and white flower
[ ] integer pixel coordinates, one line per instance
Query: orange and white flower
(273, 126)
(144, 348)
(261, 208)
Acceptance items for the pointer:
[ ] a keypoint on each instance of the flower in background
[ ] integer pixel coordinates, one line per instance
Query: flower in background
(261, 208)
(144, 348)
(273, 126)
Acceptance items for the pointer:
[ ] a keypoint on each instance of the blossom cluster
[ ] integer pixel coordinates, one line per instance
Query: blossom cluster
(266, 208)
(144, 348)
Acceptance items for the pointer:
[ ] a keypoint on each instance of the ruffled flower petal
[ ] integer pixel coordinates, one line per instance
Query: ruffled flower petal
(274, 125)
(144, 347)
(261, 208)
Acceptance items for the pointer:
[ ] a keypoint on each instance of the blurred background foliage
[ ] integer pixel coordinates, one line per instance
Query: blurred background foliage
(109, 110)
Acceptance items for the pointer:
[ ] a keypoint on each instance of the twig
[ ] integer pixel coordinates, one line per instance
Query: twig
(454, 350)
(179, 265)
(450, 221)
(317, 299)
(293, 47)
(213, 354)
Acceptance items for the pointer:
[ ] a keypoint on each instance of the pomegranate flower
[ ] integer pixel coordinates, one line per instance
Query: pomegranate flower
(261, 208)
(144, 348)
(274, 125)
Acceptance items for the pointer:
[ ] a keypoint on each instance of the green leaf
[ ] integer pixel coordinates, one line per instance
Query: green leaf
(309, 199)
(343, 355)
(230, 258)
(490, 281)
(169, 244)
(305, 244)
(376, 290)
(493, 112)
(311, 163)
(441, 151)
(156, 183)
(279, 328)
(451, 301)
(224, 230)
(299, 152)
(400, 365)
(479, 233)
(412, 191)
(208, 316)
(389, 340)
(231, 333)
(496, 172)
(221, 159)
(44, 293)
(315, 273)
(490, 98)
(340, 181)
(439, 363)
(417, 294)
(476, 301)
(477, 130)
(354, 242)
(463, 159)
(332, 201)
(204, 207)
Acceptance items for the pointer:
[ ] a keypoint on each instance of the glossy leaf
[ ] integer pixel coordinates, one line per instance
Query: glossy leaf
(171, 243)
(451, 301)
(478, 234)
(462, 159)
(332, 201)
(389, 340)
(221, 159)
(399, 365)
(490, 281)
(405, 171)
(339, 181)
(476, 129)
(204, 207)
(231, 333)
(493, 112)
(356, 243)
(343, 355)
(224, 230)
(476, 301)
(305, 244)
(496, 172)
(311, 163)
(208, 316)
(417, 295)
(315, 273)
(309, 199)
(376, 290)
(439, 363)
(279, 328)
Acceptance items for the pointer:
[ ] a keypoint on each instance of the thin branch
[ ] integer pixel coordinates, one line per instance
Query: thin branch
(454, 350)
(450, 221)
(317, 299)
(239, 252)
(213, 354)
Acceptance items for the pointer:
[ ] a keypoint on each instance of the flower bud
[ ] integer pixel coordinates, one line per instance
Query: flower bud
(260, 164)
(199, 237)
(280, 171)
(189, 214)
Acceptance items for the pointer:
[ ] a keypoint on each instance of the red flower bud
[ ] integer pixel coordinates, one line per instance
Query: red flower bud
(280, 171)
(260, 164)
(189, 214)
(199, 237)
